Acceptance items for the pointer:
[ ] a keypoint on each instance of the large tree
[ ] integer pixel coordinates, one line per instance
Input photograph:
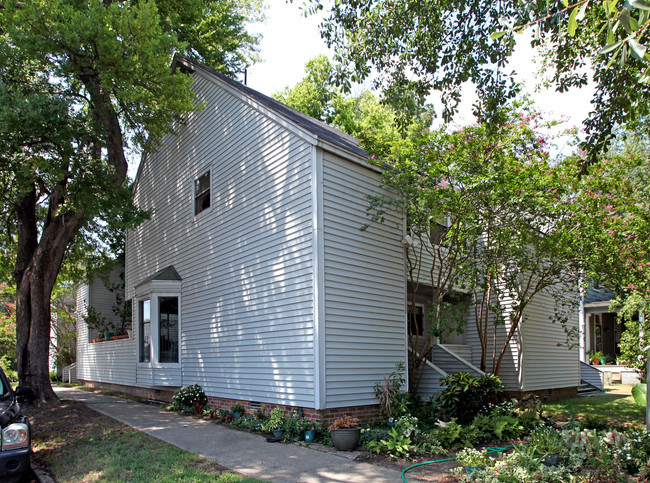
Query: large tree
(361, 115)
(416, 46)
(490, 212)
(80, 82)
(611, 207)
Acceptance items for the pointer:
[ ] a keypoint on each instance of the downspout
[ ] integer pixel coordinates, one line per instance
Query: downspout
(318, 277)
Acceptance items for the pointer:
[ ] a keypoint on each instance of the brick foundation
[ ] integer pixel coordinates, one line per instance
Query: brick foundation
(365, 414)
(548, 395)
(163, 395)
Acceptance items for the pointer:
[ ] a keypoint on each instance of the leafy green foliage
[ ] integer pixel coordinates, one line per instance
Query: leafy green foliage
(417, 47)
(499, 427)
(389, 393)
(547, 439)
(640, 394)
(487, 206)
(79, 84)
(7, 332)
(465, 395)
(398, 445)
(473, 457)
(276, 420)
(361, 116)
(237, 408)
(453, 435)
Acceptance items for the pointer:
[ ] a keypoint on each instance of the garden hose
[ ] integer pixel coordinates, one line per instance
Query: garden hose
(571, 421)
(489, 449)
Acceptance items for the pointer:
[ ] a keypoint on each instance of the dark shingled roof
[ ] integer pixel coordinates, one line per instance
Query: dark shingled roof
(594, 295)
(167, 273)
(314, 126)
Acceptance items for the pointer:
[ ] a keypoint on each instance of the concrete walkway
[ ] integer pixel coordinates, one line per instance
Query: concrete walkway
(239, 451)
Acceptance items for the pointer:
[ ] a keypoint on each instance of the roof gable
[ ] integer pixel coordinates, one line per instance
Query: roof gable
(315, 127)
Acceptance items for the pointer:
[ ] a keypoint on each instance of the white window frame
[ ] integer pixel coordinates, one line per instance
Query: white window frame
(195, 194)
(153, 291)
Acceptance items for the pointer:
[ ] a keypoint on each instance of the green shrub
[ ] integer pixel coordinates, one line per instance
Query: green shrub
(190, 399)
(372, 434)
(428, 412)
(634, 453)
(276, 420)
(428, 442)
(498, 426)
(453, 436)
(465, 395)
(396, 445)
(237, 408)
(248, 422)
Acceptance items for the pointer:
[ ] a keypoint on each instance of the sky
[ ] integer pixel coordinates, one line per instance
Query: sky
(290, 40)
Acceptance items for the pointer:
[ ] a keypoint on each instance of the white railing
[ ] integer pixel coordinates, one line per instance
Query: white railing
(466, 364)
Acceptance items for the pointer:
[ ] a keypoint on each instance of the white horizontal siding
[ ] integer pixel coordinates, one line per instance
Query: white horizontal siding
(510, 367)
(548, 362)
(246, 262)
(364, 288)
(112, 361)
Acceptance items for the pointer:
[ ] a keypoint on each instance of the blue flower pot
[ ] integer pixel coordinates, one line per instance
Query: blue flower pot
(471, 469)
(310, 436)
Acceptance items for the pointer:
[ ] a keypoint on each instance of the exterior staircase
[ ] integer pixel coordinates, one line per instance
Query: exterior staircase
(591, 380)
(444, 360)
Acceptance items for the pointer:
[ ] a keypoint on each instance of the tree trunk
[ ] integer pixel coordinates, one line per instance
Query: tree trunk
(34, 288)
(38, 260)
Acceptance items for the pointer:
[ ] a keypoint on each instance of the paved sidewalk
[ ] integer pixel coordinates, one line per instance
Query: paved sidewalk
(239, 451)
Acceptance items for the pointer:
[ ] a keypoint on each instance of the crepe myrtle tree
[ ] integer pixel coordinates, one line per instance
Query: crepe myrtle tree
(611, 207)
(489, 211)
(80, 82)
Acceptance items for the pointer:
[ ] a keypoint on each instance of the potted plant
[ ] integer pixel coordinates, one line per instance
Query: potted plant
(595, 357)
(237, 410)
(345, 433)
(473, 460)
(548, 443)
(94, 320)
(276, 422)
(308, 428)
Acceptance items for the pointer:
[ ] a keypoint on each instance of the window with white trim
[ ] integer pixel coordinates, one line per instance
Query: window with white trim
(202, 193)
(145, 330)
(167, 329)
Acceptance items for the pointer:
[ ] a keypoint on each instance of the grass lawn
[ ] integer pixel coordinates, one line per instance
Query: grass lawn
(616, 406)
(76, 444)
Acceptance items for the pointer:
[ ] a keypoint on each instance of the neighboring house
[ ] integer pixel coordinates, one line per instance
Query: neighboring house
(601, 331)
(254, 279)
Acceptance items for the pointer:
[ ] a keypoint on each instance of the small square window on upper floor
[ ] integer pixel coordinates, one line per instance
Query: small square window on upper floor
(202, 193)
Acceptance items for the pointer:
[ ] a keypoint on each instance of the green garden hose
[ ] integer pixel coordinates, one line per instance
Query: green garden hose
(490, 450)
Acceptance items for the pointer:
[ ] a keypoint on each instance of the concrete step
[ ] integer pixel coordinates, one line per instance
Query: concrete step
(588, 390)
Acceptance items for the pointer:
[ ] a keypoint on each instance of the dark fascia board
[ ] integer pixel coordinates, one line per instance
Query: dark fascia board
(317, 128)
